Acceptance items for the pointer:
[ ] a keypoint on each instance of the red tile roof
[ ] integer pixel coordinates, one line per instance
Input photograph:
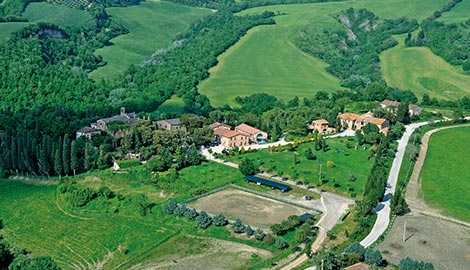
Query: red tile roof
(390, 103)
(217, 124)
(230, 134)
(247, 129)
(358, 266)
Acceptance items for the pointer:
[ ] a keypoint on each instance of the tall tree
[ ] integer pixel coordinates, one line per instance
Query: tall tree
(66, 154)
(58, 165)
(74, 157)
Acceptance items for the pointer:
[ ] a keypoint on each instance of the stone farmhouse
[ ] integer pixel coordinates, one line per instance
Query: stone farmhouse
(393, 105)
(103, 125)
(322, 126)
(171, 124)
(243, 135)
(255, 135)
(354, 121)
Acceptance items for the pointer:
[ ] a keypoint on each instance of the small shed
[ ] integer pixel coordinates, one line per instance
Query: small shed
(269, 183)
(305, 216)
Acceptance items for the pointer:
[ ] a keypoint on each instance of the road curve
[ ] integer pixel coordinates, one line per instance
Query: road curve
(383, 214)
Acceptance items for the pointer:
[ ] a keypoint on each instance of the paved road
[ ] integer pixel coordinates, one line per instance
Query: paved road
(383, 214)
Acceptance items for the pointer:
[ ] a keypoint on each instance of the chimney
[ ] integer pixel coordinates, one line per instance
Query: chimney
(123, 110)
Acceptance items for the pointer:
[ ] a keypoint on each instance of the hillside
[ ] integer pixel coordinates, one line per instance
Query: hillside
(152, 26)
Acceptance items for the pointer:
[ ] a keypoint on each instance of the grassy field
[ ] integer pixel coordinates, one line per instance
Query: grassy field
(152, 25)
(98, 237)
(252, 209)
(63, 16)
(443, 243)
(44, 12)
(174, 105)
(423, 72)
(445, 174)
(266, 59)
(459, 13)
(347, 161)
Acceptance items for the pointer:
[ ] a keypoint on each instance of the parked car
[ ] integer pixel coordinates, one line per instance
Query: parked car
(308, 198)
(299, 183)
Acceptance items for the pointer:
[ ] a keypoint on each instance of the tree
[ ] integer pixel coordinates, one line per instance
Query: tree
(58, 161)
(409, 264)
(403, 113)
(360, 137)
(268, 239)
(66, 154)
(190, 213)
(281, 243)
(300, 236)
(88, 162)
(398, 203)
(248, 230)
(373, 256)
(277, 229)
(259, 234)
(203, 220)
(466, 65)
(74, 157)
(220, 220)
(238, 226)
(357, 249)
(169, 207)
(247, 167)
(309, 154)
(23, 262)
(371, 133)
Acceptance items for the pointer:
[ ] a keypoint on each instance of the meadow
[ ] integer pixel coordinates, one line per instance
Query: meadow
(267, 60)
(44, 12)
(418, 69)
(348, 162)
(445, 174)
(112, 234)
(152, 26)
(174, 105)
(458, 14)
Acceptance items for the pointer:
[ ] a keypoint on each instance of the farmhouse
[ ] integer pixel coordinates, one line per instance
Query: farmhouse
(87, 132)
(219, 129)
(255, 135)
(322, 126)
(358, 266)
(269, 183)
(126, 118)
(170, 124)
(393, 105)
(354, 121)
(231, 138)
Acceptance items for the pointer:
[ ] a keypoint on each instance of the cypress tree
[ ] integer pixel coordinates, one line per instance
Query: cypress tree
(88, 157)
(74, 157)
(58, 166)
(66, 154)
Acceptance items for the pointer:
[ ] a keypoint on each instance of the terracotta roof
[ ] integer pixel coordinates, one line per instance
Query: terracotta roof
(320, 122)
(378, 121)
(220, 131)
(390, 103)
(412, 106)
(231, 133)
(247, 129)
(348, 116)
(217, 124)
(358, 266)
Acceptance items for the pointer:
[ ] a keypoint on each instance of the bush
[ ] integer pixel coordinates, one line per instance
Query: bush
(268, 239)
(281, 243)
(330, 164)
(259, 234)
(373, 257)
(220, 220)
(248, 230)
(409, 264)
(203, 220)
(238, 226)
(169, 207)
(356, 248)
(180, 210)
(191, 213)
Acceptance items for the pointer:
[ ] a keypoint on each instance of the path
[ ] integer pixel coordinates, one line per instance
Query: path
(383, 214)
(415, 202)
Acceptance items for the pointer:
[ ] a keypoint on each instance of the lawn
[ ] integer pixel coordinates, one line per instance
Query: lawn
(418, 69)
(445, 174)
(348, 161)
(267, 60)
(152, 25)
(44, 12)
(174, 105)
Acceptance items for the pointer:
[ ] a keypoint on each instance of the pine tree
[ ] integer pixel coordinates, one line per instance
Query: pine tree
(66, 154)
(58, 160)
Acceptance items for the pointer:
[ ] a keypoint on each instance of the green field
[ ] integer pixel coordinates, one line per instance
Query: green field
(347, 160)
(266, 59)
(44, 12)
(445, 174)
(460, 13)
(111, 234)
(174, 105)
(421, 71)
(152, 26)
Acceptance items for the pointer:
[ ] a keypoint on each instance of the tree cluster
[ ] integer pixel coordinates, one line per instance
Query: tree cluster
(352, 51)
(410, 264)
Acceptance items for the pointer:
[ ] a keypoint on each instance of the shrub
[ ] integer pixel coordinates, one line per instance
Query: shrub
(169, 207)
(268, 239)
(203, 220)
(259, 234)
(248, 230)
(180, 210)
(330, 164)
(238, 226)
(373, 256)
(220, 220)
(281, 243)
(357, 249)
